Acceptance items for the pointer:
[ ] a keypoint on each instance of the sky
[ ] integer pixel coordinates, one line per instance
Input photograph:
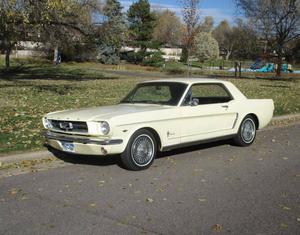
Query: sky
(219, 9)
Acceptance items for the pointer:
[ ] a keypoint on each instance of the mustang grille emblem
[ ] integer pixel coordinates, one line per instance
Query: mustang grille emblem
(66, 125)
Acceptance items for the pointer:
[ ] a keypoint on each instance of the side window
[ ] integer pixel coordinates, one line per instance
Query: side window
(209, 94)
(153, 93)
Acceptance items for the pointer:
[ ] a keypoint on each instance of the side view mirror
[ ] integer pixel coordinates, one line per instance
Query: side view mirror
(194, 102)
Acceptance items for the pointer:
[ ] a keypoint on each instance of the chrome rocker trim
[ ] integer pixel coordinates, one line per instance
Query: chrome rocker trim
(56, 136)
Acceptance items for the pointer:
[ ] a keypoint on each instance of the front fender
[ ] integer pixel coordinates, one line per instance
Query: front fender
(126, 131)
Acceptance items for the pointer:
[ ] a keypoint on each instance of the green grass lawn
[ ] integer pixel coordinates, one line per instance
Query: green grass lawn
(30, 91)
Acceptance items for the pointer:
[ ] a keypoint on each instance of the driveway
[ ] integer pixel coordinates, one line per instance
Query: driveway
(208, 189)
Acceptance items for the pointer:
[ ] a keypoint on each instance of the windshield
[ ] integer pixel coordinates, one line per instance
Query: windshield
(165, 93)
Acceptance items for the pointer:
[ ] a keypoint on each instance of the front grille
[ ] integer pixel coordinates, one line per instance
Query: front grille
(70, 126)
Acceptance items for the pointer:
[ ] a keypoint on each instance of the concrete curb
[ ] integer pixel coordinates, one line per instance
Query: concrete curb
(286, 117)
(46, 154)
(26, 156)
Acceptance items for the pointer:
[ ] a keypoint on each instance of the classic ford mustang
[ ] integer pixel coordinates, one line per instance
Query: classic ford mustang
(157, 116)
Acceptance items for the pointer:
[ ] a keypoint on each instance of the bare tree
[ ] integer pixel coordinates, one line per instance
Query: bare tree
(168, 29)
(191, 17)
(276, 20)
(207, 25)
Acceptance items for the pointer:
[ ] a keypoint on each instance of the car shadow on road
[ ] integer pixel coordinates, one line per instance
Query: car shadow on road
(86, 159)
(193, 148)
(116, 159)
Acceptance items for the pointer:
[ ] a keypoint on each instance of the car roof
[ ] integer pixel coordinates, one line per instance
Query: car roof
(234, 91)
(188, 80)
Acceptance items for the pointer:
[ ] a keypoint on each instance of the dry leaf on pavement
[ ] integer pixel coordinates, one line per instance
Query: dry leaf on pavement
(217, 228)
(149, 199)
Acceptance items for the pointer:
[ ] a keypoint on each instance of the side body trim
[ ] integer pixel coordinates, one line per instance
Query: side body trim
(171, 147)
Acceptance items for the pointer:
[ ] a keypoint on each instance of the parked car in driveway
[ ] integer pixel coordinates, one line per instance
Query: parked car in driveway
(157, 116)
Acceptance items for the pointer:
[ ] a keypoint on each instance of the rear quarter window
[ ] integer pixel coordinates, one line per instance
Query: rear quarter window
(208, 94)
(209, 90)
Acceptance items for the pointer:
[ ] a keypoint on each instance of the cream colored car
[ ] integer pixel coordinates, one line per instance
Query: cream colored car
(160, 115)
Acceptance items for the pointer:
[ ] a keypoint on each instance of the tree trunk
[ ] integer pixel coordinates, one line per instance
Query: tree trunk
(188, 62)
(235, 69)
(7, 58)
(279, 65)
(228, 55)
(55, 55)
(279, 60)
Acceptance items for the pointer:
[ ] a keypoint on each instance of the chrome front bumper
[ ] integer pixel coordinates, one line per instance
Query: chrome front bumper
(84, 145)
(83, 140)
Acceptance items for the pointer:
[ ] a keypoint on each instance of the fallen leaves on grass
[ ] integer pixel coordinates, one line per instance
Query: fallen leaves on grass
(23, 103)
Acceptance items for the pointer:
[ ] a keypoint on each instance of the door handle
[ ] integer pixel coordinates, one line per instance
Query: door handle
(225, 106)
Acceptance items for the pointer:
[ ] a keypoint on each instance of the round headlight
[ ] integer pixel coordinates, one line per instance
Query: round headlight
(48, 124)
(104, 128)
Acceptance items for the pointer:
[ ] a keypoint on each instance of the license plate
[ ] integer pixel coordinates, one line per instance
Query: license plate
(67, 146)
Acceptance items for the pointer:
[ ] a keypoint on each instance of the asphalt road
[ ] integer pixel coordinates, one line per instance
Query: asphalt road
(208, 189)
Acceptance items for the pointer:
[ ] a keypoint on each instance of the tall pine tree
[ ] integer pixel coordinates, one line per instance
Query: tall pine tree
(113, 32)
(141, 24)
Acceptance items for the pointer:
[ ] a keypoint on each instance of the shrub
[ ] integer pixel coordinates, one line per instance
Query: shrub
(134, 57)
(108, 55)
(184, 55)
(173, 71)
(154, 59)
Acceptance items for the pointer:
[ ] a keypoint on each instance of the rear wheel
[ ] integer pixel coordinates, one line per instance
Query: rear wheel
(140, 151)
(247, 132)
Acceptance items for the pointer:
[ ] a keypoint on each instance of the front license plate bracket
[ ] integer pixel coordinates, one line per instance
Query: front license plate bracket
(68, 146)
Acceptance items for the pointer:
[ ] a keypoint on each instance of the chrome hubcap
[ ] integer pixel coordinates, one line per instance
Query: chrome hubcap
(248, 130)
(142, 150)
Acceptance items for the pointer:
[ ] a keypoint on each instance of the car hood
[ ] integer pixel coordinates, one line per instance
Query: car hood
(104, 112)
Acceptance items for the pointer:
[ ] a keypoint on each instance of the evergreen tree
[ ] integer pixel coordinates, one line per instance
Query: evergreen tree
(112, 33)
(141, 24)
(114, 23)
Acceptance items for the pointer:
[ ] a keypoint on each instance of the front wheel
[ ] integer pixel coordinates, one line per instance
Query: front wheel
(140, 151)
(246, 133)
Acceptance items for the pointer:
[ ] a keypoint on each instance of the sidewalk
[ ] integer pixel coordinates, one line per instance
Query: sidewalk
(11, 158)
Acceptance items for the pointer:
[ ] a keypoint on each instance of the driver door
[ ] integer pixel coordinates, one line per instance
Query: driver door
(206, 112)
